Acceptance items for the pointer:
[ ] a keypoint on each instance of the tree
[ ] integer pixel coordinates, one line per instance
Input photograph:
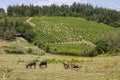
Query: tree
(10, 10)
(2, 12)
(102, 46)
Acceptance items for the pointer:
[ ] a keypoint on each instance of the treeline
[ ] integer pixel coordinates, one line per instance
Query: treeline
(87, 11)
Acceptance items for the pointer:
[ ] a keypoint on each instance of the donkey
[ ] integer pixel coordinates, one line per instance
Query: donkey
(66, 65)
(43, 63)
(31, 64)
(75, 66)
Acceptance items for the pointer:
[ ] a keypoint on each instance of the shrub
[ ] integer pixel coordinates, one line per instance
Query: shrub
(40, 44)
(47, 48)
(30, 51)
(7, 30)
(110, 44)
(55, 49)
(11, 51)
(102, 46)
(26, 31)
(29, 35)
(91, 53)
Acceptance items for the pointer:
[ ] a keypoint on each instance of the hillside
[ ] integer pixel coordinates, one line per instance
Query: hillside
(19, 46)
(68, 34)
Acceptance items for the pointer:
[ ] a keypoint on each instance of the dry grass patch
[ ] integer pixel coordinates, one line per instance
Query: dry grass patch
(97, 68)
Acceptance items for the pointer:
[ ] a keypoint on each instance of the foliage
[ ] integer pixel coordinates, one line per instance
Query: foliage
(86, 11)
(40, 44)
(2, 13)
(114, 42)
(26, 31)
(14, 51)
(7, 30)
(30, 51)
(110, 44)
(102, 46)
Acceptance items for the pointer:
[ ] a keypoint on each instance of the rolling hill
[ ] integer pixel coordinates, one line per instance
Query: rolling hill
(69, 35)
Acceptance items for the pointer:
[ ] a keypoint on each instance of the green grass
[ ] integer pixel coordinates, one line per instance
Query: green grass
(71, 48)
(54, 31)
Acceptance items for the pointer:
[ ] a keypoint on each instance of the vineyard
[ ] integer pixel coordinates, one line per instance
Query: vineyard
(68, 34)
(64, 35)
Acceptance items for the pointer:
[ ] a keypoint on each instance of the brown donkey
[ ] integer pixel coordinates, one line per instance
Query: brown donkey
(66, 65)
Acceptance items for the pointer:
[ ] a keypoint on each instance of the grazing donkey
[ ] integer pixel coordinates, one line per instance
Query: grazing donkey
(75, 66)
(43, 63)
(31, 64)
(66, 64)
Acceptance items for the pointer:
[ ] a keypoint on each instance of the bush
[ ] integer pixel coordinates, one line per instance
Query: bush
(47, 48)
(92, 53)
(109, 45)
(7, 30)
(102, 46)
(9, 34)
(40, 44)
(29, 35)
(26, 31)
(13, 51)
(30, 51)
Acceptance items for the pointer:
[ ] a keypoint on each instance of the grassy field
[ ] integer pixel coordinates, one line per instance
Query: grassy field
(96, 68)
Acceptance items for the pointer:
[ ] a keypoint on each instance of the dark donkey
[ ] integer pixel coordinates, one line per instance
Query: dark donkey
(75, 66)
(31, 64)
(43, 63)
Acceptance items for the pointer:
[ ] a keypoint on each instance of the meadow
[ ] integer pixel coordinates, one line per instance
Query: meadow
(93, 68)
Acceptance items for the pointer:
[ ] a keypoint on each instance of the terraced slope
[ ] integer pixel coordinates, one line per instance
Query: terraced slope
(68, 34)
(66, 29)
